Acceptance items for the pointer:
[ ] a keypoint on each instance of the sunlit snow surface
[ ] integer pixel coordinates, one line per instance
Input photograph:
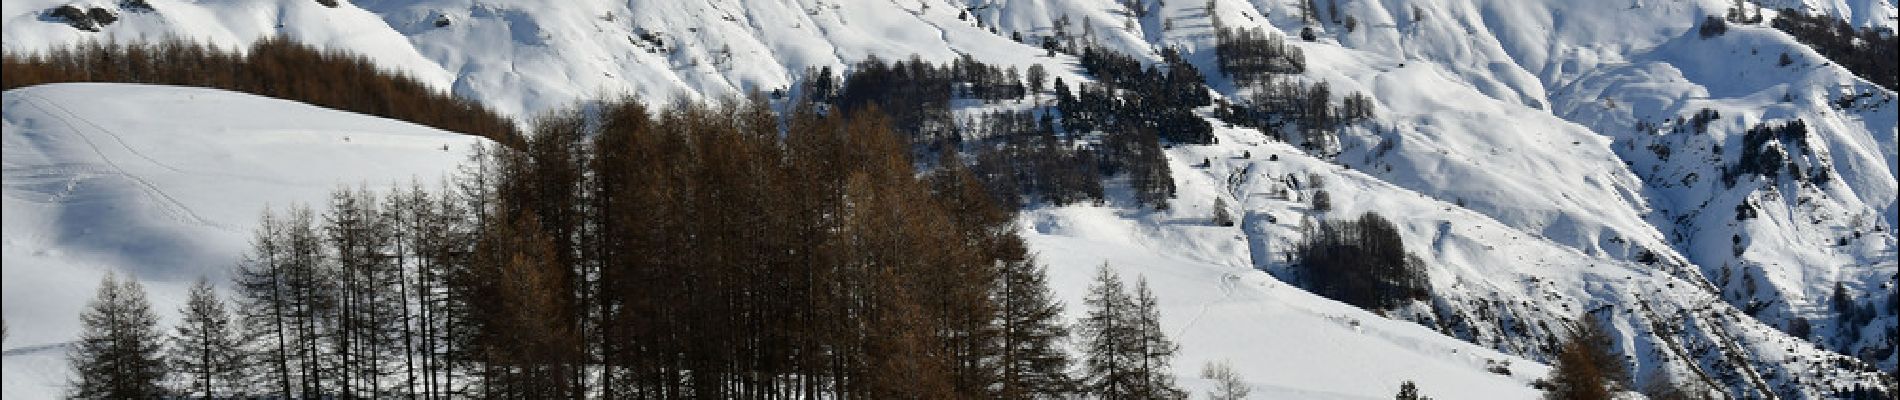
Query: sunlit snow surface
(1506, 150)
(164, 185)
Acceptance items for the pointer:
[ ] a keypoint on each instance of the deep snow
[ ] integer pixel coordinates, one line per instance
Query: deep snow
(1506, 148)
(164, 185)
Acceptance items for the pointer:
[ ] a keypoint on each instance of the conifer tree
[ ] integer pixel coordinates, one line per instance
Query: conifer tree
(1409, 391)
(118, 354)
(259, 283)
(1033, 363)
(1128, 354)
(207, 351)
(1108, 339)
(1222, 216)
(1156, 352)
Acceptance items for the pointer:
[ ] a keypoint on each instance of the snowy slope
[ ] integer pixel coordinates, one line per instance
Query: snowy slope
(1498, 286)
(165, 184)
(225, 24)
(1506, 146)
(183, 174)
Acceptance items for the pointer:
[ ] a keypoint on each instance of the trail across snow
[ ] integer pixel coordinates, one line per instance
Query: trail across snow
(165, 184)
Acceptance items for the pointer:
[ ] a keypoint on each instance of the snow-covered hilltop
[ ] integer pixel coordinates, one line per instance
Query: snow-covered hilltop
(166, 184)
(1542, 157)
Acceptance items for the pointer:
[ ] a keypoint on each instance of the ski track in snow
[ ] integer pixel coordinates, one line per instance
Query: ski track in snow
(176, 209)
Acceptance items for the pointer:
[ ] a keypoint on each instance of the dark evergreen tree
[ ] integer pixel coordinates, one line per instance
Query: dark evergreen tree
(1128, 355)
(362, 338)
(1361, 262)
(119, 354)
(1032, 361)
(1871, 53)
(1110, 342)
(208, 353)
(283, 295)
(1156, 352)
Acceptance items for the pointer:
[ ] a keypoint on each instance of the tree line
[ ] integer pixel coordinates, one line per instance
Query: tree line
(1362, 262)
(699, 252)
(1870, 53)
(1057, 155)
(273, 67)
(1769, 147)
(1248, 55)
(1265, 65)
(1276, 103)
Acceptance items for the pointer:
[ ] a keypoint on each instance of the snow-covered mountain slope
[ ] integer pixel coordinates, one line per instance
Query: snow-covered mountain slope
(1286, 342)
(1868, 13)
(1507, 144)
(1495, 285)
(164, 185)
(29, 27)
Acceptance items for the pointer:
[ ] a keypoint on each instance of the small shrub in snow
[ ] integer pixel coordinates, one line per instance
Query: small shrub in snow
(1409, 391)
(1222, 216)
(1322, 201)
(1500, 367)
(1712, 26)
(1361, 262)
(1800, 327)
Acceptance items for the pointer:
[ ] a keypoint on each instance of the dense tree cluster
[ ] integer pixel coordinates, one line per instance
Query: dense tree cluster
(274, 67)
(1276, 103)
(695, 267)
(208, 353)
(1852, 318)
(1701, 120)
(1022, 158)
(89, 20)
(119, 354)
(1250, 55)
(1266, 66)
(1058, 156)
(1161, 98)
(1870, 53)
(1768, 147)
(1361, 262)
(915, 93)
(725, 252)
